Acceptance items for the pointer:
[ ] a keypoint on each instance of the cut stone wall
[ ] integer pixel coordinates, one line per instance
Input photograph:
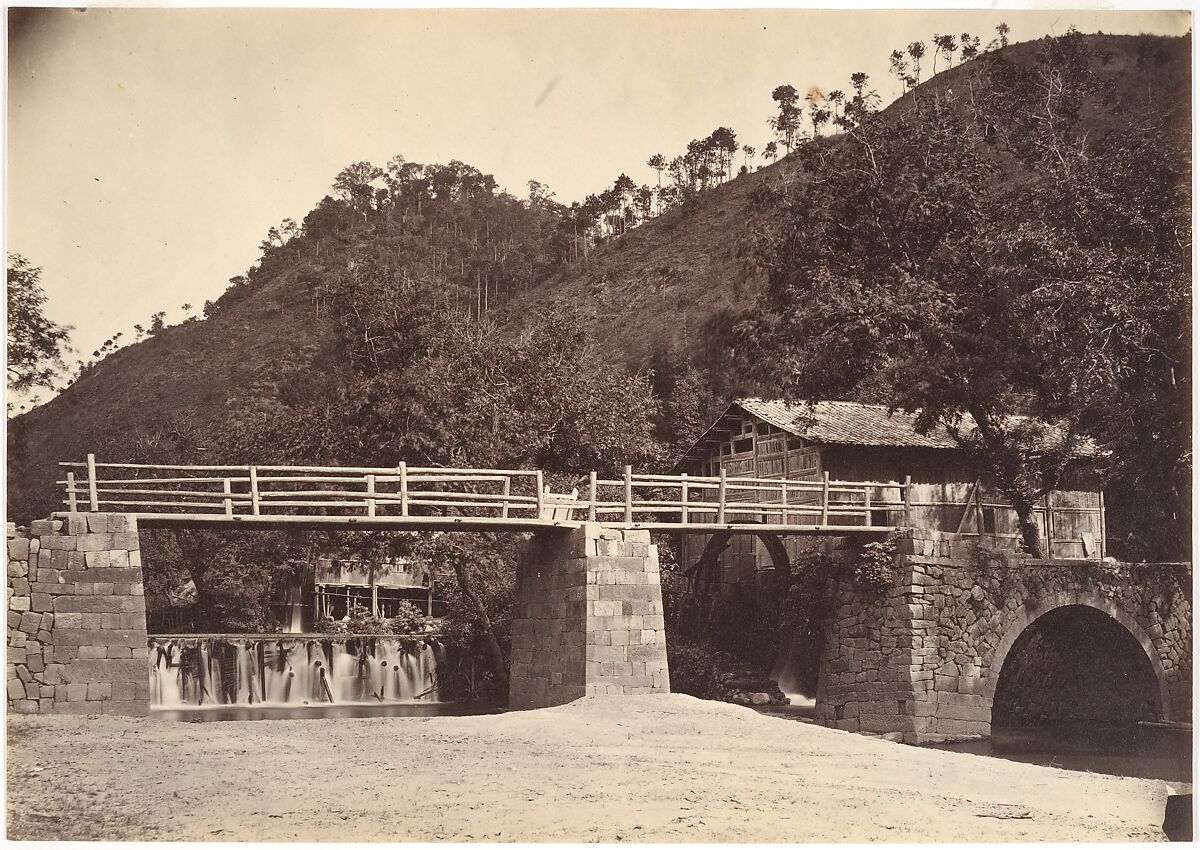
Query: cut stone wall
(77, 617)
(921, 660)
(588, 618)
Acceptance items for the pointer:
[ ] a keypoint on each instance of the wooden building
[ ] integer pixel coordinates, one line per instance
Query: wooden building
(849, 441)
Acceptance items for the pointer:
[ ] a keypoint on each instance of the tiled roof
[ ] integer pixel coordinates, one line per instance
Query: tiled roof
(847, 422)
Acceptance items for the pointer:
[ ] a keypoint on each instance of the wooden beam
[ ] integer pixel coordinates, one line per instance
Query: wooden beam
(254, 505)
(824, 496)
(627, 475)
(721, 498)
(962, 521)
(1103, 546)
(91, 468)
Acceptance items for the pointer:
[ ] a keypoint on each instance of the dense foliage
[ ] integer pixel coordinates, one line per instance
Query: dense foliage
(36, 344)
(988, 260)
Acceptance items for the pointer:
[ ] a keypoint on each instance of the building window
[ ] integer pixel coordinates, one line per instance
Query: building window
(744, 445)
(989, 520)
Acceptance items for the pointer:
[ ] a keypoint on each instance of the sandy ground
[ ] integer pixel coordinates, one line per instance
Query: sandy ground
(657, 768)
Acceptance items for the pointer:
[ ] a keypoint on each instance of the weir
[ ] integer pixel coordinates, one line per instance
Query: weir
(292, 670)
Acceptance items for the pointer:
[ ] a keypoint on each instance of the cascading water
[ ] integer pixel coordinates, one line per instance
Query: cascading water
(264, 670)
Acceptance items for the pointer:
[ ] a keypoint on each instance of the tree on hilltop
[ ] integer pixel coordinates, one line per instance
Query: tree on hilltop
(787, 121)
(353, 185)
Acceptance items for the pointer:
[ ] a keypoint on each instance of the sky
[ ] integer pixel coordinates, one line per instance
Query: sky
(149, 150)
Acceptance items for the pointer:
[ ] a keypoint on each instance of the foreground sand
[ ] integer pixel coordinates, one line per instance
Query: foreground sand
(668, 768)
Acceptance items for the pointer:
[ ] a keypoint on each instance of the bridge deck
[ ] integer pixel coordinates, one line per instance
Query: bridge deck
(449, 523)
(405, 498)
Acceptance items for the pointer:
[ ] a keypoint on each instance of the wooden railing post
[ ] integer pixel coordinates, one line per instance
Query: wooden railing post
(71, 503)
(254, 506)
(227, 488)
(867, 506)
(541, 494)
(783, 501)
(683, 499)
(1050, 525)
(370, 495)
(628, 476)
(825, 497)
(402, 473)
(721, 499)
(908, 502)
(505, 491)
(593, 494)
(93, 497)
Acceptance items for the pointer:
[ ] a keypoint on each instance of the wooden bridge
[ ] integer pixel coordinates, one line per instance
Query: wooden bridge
(407, 497)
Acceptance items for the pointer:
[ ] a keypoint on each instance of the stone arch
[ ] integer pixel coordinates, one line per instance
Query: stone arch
(1026, 616)
(704, 572)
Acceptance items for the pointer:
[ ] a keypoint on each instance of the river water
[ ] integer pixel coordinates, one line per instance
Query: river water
(1145, 751)
(318, 712)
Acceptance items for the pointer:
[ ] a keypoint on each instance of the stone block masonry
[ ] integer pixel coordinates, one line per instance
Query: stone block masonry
(588, 618)
(921, 660)
(77, 617)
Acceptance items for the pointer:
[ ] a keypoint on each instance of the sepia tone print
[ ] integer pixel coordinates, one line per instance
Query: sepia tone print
(599, 425)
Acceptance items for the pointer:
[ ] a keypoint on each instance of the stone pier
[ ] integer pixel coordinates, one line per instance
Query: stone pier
(77, 617)
(588, 618)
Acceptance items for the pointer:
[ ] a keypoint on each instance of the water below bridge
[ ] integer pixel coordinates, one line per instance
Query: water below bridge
(1147, 751)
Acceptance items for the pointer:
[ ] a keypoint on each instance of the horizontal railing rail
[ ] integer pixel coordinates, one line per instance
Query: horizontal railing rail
(515, 495)
(272, 490)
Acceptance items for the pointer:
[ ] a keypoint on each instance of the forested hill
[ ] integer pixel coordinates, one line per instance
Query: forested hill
(421, 312)
(654, 291)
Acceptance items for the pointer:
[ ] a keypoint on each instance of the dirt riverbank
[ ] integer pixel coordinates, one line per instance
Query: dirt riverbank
(668, 768)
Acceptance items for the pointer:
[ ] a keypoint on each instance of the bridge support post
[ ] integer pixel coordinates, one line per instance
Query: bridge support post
(77, 617)
(589, 618)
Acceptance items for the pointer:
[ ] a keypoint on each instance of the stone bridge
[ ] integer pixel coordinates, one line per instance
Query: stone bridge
(957, 642)
(963, 639)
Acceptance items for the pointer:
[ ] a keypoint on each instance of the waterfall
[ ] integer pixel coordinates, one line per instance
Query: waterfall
(292, 670)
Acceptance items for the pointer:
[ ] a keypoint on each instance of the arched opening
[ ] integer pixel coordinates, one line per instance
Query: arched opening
(1075, 664)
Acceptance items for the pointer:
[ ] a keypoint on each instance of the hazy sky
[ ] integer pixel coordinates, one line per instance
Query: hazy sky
(150, 150)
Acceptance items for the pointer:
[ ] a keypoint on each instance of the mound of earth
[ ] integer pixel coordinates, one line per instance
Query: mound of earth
(657, 768)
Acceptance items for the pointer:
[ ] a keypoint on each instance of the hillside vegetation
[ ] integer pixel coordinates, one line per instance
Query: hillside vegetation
(421, 312)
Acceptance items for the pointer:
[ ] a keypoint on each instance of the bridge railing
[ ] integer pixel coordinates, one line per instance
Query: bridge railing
(648, 500)
(237, 491)
(642, 500)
